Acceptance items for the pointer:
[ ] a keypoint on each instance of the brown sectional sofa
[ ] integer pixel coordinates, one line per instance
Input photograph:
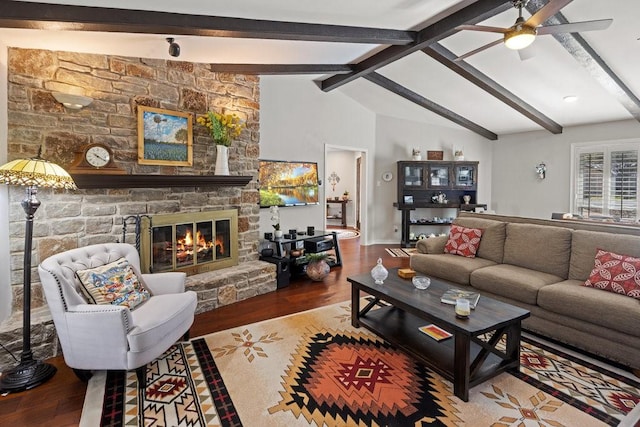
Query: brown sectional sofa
(540, 265)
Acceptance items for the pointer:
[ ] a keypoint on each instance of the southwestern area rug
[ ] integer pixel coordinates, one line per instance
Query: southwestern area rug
(315, 369)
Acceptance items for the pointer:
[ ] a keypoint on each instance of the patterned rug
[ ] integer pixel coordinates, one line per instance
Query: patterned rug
(347, 234)
(400, 252)
(315, 369)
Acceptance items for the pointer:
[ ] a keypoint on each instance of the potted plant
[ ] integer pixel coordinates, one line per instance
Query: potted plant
(275, 219)
(318, 267)
(345, 195)
(223, 128)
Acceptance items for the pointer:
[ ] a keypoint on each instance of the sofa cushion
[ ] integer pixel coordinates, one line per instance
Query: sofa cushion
(538, 247)
(613, 272)
(585, 244)
(611, 310)
(463, 241)
(448, 267)
(493, 235)
(510, 281)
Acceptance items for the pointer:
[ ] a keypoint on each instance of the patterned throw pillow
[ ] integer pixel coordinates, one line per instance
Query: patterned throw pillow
(463, 241)
(615, 273)
(115, 283)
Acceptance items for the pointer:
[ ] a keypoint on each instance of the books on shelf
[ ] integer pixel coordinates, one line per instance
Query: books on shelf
(452, 295)
(435, 332)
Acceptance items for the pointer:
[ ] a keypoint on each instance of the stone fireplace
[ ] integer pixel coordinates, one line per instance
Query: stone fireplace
(194, 242)
(96, 212)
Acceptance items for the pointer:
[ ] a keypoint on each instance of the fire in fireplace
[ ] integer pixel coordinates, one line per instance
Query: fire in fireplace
(191, 242)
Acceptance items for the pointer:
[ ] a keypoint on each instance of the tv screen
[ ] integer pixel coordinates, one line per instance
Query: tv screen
(288, 183)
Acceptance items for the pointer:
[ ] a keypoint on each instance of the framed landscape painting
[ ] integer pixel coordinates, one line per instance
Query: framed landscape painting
(165, 137)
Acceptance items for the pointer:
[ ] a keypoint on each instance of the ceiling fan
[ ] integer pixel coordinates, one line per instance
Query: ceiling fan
(523, 33)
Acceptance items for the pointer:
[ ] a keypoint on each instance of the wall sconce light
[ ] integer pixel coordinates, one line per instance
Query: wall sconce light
(174, 48)
(541, 170)
(72, 102)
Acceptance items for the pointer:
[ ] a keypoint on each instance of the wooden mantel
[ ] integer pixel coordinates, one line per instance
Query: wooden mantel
(91, 181)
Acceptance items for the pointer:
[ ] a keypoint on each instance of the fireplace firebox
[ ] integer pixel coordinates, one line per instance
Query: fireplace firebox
(193, 242)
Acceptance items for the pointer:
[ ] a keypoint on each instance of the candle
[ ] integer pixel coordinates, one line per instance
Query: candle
(462, 307)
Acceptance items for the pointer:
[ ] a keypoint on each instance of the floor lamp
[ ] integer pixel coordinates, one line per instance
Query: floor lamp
(32, 173)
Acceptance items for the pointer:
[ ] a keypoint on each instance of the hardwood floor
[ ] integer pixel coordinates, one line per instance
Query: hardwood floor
(59, 401)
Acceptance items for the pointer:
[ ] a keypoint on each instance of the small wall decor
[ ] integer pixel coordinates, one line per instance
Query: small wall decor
(541, 170)
(165, 137)
(333, 180)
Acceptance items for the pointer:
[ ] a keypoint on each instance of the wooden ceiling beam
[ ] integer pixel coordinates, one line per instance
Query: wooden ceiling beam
(46, 16)
(475, 76)
(586, 55)
(409, 95)
(281, 69)
(472, 14)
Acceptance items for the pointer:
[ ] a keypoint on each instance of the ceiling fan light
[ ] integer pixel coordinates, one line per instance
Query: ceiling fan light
(519, 38)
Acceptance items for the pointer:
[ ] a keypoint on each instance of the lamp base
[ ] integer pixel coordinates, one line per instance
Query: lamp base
(25, 376)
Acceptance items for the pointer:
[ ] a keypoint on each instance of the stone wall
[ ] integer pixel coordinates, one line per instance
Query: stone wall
(70, 219)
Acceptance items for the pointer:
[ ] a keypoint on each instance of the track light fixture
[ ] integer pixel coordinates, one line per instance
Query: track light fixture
(174, 48)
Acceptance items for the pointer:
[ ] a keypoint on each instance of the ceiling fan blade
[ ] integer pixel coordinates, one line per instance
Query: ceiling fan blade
(576, 27)
(546, 12)
(484, 28)
(480, 49)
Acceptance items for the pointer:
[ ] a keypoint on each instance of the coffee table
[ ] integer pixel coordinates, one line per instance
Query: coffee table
(465, 359)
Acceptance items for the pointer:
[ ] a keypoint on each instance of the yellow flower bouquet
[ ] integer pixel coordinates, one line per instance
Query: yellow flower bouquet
(223, 128)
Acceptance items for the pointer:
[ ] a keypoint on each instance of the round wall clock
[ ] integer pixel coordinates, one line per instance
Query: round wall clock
(95, 158)
(387, 176)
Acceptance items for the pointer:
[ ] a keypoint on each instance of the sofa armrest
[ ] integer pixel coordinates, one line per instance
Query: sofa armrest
(171, 282)
(432, 245)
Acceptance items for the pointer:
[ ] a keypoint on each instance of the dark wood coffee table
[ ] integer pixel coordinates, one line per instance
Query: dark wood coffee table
(464, 359)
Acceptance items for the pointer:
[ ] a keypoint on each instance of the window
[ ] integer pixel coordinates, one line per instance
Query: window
(605, 181)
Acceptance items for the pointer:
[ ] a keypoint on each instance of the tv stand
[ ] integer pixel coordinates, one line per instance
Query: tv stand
(327, 240)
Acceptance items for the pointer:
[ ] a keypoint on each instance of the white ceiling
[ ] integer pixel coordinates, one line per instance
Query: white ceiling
(541, 81)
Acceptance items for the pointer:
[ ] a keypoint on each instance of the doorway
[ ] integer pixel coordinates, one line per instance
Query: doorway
(345, 178)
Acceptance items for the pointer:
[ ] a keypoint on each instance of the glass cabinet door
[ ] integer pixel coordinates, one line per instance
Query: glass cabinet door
(439, 176)
(465, 176)
(413, 176)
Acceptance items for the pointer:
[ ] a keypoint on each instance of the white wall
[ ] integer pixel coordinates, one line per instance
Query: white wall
(297, 120)
(516, 189)
(395, 139)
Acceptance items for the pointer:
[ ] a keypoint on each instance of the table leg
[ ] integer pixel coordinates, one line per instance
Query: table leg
(513, 346)
(355, 306)
(461, 366)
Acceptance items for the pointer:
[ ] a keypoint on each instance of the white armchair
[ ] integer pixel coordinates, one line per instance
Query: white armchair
(105, 337)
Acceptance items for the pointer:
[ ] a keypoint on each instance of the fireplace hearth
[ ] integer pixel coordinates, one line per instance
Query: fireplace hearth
(193, 242)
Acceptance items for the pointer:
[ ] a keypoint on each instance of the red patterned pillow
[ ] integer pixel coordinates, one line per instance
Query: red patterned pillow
(463, 241)
(616, 273)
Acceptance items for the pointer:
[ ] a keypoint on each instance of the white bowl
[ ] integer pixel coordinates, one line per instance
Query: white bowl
(421, 282)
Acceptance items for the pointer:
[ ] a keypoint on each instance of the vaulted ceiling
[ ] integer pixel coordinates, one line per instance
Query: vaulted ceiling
(396, 57)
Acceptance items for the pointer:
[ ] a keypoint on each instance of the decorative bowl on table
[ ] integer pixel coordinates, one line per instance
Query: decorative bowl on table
(421, 282)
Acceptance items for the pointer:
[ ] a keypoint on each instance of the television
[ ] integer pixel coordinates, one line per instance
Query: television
(284, 183)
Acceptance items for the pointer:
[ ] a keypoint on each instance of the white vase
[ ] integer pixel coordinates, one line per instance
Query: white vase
(277, 233)
(222, 160)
